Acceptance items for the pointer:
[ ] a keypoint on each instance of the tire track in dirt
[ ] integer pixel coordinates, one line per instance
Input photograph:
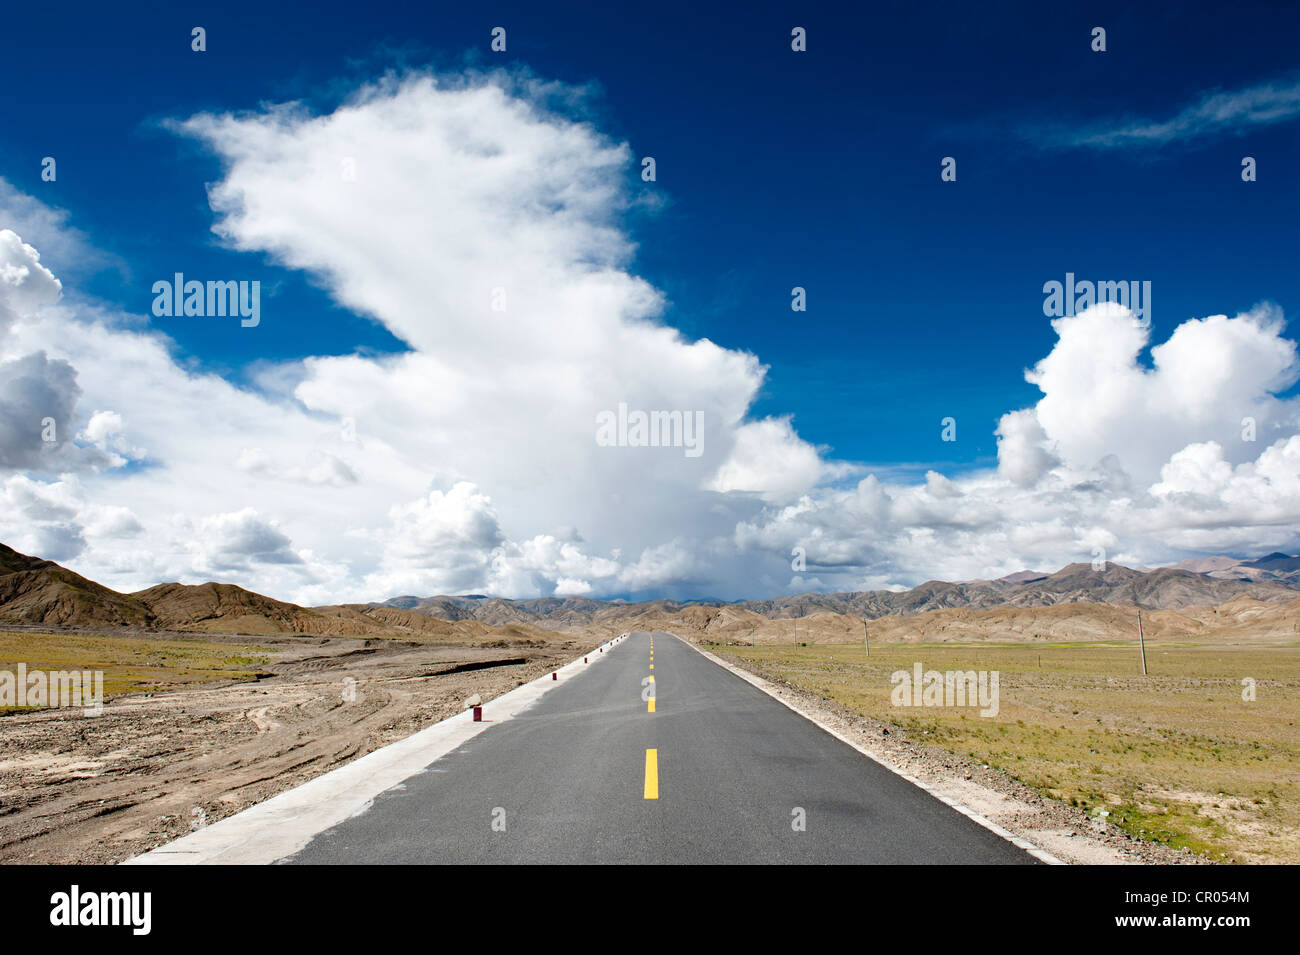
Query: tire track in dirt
(153, 767)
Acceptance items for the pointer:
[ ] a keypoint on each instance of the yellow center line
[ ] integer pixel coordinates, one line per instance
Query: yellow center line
(651, 709)
(652, 773)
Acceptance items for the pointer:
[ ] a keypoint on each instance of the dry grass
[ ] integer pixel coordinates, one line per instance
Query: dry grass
(1177, 756)
(131, 664)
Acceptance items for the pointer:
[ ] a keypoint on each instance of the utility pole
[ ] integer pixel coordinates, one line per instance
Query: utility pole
(1142, 643)
(865, 643)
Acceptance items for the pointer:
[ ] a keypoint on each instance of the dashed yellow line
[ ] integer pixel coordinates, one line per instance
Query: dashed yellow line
(652, 755)
(652, 773)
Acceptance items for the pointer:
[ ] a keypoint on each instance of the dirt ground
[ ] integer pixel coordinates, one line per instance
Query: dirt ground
(191, 746)
(152, 767)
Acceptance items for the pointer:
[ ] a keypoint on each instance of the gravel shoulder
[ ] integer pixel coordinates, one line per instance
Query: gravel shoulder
(1068, 833)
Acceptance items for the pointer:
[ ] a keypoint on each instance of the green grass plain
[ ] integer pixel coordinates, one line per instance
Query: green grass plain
(131, 664)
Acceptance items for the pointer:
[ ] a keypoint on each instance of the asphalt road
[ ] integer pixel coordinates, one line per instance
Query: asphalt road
(570, 781)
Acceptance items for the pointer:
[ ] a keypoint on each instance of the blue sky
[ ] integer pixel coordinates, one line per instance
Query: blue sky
(819, 170)
(775, 169)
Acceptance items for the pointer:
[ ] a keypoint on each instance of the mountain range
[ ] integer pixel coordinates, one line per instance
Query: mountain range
(41, 592)
(1162, 588)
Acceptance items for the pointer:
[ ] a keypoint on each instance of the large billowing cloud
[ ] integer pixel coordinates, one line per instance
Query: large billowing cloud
(484, 231)
(1205, 381)
(1117, 460)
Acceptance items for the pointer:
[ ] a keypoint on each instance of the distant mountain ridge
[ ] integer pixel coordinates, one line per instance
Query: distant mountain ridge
(1164, 588)
(1277, 562)
(39, 591)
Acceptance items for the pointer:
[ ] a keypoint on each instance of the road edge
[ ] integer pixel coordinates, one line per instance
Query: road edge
(277, 828)
(765, 686)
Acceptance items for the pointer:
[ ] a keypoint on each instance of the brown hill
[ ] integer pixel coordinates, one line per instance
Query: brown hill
(36, 591)
(367, 619)
(225, 607)
(40, 591)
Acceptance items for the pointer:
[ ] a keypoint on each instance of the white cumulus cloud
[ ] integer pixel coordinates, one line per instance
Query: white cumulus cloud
(484, 230)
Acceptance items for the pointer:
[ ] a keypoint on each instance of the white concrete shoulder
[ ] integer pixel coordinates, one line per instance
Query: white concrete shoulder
(284, 824)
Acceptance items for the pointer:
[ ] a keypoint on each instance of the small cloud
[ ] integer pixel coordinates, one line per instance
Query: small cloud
(326, 469)
(1216, 112)
(240, 539)
(567, 587)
